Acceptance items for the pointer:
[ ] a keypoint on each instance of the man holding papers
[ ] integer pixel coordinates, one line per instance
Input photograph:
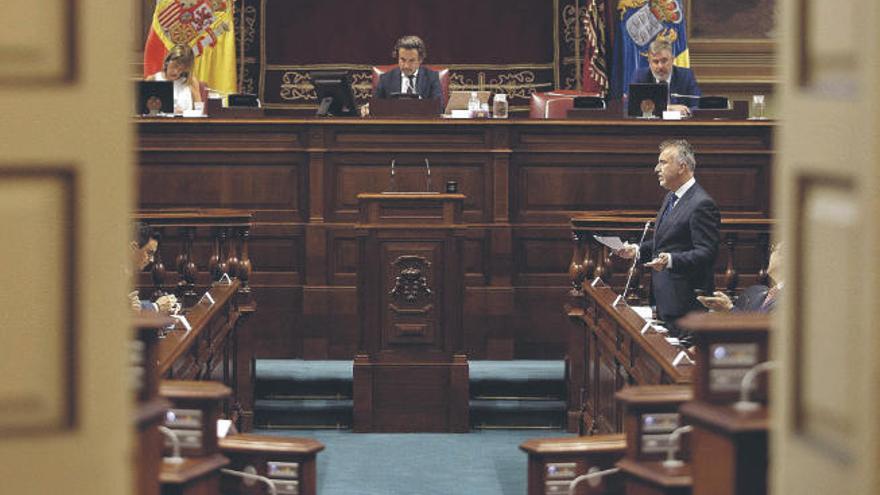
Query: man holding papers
(683, 248)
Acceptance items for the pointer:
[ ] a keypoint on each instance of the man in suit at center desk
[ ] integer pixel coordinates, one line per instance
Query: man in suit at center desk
(661, 69)
(683, 248)
(410, 76)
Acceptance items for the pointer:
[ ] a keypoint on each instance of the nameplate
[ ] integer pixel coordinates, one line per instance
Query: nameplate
(645, 328)
(671, 115)
(682, 356)
(183, 321)
(207, 297)
(225, 280)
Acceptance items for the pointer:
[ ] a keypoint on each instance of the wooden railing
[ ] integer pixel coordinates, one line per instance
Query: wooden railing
(211, 256)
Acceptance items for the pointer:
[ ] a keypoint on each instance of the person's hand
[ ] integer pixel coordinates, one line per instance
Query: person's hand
(718, 301)
(166, 303)
(134, 300)
(628, 251)
(682, 109)
(365, 110)
(659, 263)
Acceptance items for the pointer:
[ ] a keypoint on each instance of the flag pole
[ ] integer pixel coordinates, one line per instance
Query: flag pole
(240, 48)
(578, 72)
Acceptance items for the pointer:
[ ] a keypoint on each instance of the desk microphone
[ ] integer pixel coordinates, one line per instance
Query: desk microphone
(428, 178)
(392, 184)
(632, 267)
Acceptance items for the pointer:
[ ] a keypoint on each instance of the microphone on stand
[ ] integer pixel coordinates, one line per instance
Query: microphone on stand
(632, 267)
(392, 183)
(428, 178)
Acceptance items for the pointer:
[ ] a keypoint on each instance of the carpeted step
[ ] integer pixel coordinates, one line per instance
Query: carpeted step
(297, 378)
(296, 393)
(303, 413)
(518, 378)
(514, 413)
(517, 394)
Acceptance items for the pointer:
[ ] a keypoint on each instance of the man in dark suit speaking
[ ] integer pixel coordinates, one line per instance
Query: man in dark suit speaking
(660, 68)
(683, 248)
(410, 76)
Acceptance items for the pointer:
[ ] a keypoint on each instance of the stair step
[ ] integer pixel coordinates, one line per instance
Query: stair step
(520, 370)
(519, 378)
(517, 413)
(302, 370)
(297, 405)
(303, 413)
(301, 378)
(507, 405)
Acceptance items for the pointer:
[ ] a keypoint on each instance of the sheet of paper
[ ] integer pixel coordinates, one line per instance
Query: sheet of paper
(612, 241)
(644, 312)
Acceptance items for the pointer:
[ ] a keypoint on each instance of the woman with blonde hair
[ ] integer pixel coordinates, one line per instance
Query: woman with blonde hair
(177, 68)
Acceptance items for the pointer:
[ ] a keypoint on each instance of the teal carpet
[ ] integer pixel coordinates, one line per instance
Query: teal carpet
(485, 462)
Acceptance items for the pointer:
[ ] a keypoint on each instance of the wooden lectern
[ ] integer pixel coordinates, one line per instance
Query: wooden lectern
(409, 374)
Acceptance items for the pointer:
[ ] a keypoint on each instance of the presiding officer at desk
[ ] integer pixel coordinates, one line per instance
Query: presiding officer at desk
(409, 76)
(681, 81)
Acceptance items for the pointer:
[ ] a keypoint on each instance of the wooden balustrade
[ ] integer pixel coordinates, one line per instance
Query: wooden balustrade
(226, 233)
(206, 245)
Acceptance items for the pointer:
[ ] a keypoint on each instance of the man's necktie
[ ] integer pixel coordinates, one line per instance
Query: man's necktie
(412, 84)
(669, 205)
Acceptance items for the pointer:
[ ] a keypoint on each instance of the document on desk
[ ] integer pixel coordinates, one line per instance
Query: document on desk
(612, 241)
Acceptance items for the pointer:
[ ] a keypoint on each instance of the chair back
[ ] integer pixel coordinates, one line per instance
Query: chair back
(554, 104)
(442, 72)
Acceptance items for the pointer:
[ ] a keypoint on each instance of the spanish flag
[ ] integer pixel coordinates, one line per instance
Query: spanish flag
(204, 25)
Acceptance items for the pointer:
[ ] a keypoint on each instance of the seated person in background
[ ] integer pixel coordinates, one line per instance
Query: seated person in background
(755, 298)
(143, 248)
(680, 80)
(410, 76)
(177, 68)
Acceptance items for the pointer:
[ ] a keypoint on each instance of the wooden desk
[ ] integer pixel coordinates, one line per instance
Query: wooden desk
(609, 351)
(729, 453)
(524, 179)
(210, 350)
(555, 462)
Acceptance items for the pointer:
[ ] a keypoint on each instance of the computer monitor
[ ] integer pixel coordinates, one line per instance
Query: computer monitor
(154, 98)
(647, 100)
(335, 97)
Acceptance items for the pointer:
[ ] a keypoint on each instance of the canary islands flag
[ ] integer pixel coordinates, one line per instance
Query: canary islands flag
(641, 22)
(204, 25)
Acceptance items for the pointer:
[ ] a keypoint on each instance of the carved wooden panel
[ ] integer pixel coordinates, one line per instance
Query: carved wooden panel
(411, 289)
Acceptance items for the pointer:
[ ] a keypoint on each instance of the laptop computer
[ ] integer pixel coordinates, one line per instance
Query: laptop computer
(647, 100)
(155, 98)
(458, 100)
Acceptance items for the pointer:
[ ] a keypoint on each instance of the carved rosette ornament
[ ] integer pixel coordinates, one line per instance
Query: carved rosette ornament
(411, 283)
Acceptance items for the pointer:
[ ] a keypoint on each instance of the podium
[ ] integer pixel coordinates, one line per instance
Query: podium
(409, 373)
